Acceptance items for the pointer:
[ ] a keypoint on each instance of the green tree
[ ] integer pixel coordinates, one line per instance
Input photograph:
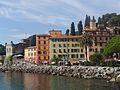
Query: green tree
(8, 60)
(96, 58)
(80, 27)
(112, 46)
(86, 41)
(56, 59)
(87, 21)
(67, 32)
(99, 21)
(72, 29)
(2, 49)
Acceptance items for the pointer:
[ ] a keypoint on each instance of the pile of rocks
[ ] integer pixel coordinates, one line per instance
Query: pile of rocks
(71, 71)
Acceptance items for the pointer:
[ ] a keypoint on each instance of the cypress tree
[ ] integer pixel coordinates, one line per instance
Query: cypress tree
(99, 21)
(87, 21)
(80, 27)
(72, 29)
(67, 32)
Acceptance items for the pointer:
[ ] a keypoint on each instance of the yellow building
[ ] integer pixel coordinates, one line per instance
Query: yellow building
(30, 54)
(66, 47)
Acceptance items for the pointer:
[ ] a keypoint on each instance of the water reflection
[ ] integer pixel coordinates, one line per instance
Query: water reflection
(19, 81)
(36, 82)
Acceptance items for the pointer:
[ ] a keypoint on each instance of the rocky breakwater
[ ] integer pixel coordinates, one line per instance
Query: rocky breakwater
(87, 72)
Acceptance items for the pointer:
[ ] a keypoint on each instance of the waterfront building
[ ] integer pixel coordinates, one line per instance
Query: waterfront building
(42, 46)
(66, 47)
(100, 35)
(30, 54)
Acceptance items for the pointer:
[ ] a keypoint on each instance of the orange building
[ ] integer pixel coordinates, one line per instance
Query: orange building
(55, 33)
(42, 45)
(30, 54)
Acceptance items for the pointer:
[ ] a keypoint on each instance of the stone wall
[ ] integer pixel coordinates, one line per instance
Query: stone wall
(70, 71)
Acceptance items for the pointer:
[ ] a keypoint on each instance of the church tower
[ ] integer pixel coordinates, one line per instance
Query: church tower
(93, 24)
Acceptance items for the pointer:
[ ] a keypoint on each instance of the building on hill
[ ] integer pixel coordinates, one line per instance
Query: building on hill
(15, 49)
(100, 35)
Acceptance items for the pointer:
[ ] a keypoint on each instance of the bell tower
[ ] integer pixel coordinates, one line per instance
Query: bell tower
(93, 24)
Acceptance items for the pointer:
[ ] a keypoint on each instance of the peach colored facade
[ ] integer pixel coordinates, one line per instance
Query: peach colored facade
(30, 54)
(55, 33)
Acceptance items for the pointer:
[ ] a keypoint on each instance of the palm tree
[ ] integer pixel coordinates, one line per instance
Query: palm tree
(86, 41)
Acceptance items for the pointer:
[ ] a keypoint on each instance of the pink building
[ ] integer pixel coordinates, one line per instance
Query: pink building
(30, 54)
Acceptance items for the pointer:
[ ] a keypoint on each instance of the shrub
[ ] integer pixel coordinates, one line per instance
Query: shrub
(96, 59)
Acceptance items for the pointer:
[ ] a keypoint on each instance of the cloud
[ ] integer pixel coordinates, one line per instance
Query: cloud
(14, 30)
(56, 12)
(19, 36)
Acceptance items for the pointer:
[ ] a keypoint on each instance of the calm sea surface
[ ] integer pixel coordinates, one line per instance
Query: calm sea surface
(20, 81)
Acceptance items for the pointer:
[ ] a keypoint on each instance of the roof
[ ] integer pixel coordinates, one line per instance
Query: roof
(43, 35)
(67, 37)
(55, 30)
(31, 47)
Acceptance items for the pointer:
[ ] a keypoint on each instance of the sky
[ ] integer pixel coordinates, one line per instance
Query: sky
(22, 18)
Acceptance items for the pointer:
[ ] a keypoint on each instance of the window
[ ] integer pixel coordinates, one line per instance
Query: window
(100, 44)
(68, 45)
(44, 57)
(96, 50)
(64, 51)
(60, 45)
(81, 50)
(76, 45)
(81, 55)
(34, 54)
(39, 52)
(90, 50)
(68, 50)
(75, 50)
(64, 45)
(44, 48)
(28, 54)
(95, 39)
(54, 51)
(39, 37)
(53, 45)
(54, 56)
(95, 43)
(44, 52)
(100, 38)
(76, 55)
(72, 45)
(39, 42)
(72, 50)
(72, 56)
(44, 42)
(60, 51)
(106, 38)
